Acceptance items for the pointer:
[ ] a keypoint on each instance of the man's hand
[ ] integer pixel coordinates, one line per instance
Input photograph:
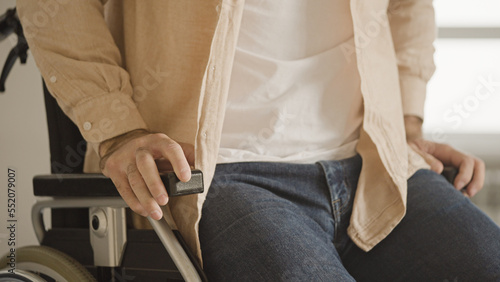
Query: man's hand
(133, 164)
(471, 170)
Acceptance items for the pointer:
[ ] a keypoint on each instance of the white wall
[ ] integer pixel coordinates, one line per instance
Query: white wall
(23, 140)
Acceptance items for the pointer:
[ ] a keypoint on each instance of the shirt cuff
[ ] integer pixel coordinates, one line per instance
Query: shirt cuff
(107, 116)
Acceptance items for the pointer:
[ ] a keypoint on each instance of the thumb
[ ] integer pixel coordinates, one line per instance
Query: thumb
(435, 164)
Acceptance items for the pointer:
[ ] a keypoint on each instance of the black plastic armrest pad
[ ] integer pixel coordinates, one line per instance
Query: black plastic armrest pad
(98, 185)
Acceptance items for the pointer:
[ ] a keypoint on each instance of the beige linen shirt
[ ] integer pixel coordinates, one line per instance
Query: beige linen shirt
(164, 65)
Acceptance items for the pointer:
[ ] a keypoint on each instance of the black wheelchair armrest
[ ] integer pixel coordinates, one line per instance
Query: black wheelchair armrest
(98, 185)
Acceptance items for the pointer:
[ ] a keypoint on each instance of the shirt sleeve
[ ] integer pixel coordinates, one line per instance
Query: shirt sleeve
(81, 65)
(413, 30)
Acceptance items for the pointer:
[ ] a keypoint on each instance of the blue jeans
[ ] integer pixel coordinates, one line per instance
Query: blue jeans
(288, 222)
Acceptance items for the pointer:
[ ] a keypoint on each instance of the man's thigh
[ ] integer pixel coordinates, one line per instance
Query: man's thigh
(251, 231)
(443, 237)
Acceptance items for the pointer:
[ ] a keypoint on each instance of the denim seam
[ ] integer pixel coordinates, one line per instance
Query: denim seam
(336, 209)
(333, 200)
(336, 219)
(348, 199)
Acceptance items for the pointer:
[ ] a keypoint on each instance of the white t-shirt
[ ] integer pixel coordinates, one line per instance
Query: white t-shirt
(293, 96)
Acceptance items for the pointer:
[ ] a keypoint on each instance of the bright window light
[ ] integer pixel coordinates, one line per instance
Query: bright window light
(460, 13)
(464, 94)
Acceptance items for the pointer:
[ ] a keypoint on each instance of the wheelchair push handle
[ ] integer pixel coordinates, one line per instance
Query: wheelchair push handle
(10, 23)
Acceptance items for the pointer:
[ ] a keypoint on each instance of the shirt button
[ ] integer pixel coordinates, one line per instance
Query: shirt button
(213, 68)
(87, 125)
(53, 79)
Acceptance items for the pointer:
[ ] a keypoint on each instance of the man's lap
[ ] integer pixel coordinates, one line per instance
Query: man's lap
(274, 229)
(283, 233)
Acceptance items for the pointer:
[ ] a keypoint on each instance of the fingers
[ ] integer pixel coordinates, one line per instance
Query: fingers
(149, 172)
(129, 197)
(162, 147)
(478, 177)
(465, 172)
(173, 152)
(165, 165)
(435, 164)
(134, 171)
(471, 173)
(471, 170)
(142, 193)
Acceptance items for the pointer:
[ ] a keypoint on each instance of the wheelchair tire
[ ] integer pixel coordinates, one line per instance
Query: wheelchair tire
(19, 276)
(49, 262)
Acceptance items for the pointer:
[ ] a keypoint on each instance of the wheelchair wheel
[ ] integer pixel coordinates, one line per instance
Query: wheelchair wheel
(19, 276)
(48, 263)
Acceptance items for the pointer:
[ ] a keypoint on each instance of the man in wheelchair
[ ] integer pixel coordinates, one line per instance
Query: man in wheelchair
(305, 117)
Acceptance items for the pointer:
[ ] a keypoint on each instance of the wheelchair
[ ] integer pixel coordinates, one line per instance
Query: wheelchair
(89, 239)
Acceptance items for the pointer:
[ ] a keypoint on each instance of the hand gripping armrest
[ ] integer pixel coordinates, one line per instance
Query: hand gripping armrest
(98, 185)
